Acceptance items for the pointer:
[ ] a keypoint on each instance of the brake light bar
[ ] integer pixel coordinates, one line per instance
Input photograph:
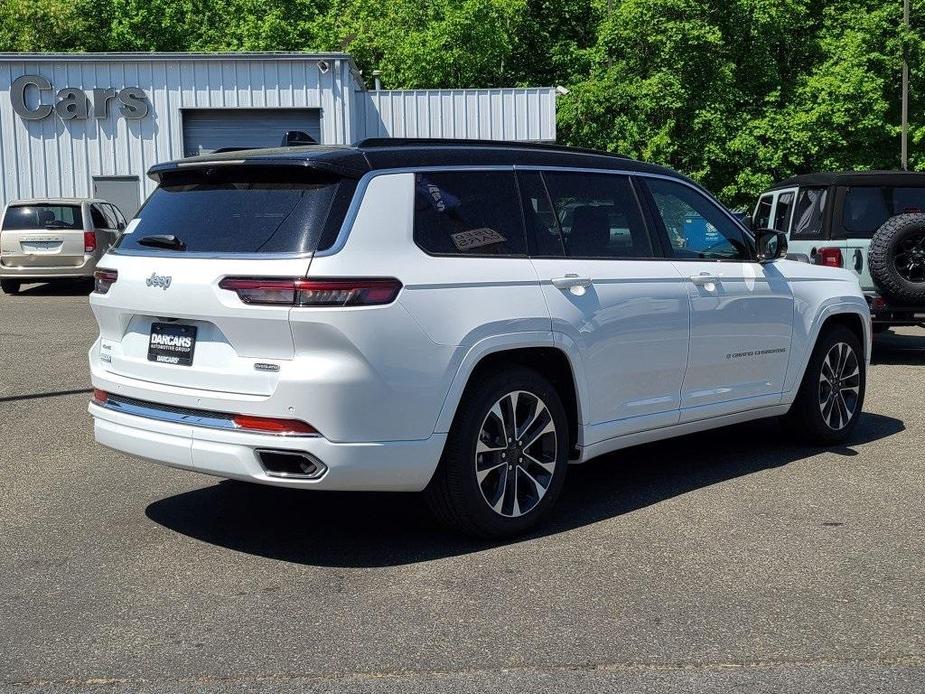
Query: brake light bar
(271, 425)
(314, 292)
(830, 257)
(89, 241)
(103, 280)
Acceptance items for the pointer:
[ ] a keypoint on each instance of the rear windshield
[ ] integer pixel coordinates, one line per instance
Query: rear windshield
(43, 217)
(867, 208)
(281, 210)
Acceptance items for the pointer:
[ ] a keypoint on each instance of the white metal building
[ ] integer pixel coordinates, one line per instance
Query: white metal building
(86, 125)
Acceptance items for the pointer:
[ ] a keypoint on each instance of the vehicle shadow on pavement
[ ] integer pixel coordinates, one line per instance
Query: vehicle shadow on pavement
(899, 348)
(59, 288)
(363, 529)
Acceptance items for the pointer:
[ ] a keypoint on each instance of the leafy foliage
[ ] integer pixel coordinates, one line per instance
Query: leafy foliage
(735, 93)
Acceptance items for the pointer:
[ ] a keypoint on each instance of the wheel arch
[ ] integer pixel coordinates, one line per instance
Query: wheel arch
(550, 360)
(854, 315)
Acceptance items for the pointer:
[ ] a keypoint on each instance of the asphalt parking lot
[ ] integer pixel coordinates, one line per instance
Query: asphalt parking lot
(732, 561)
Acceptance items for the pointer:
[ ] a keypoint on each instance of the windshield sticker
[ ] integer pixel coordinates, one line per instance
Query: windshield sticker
(476, 238)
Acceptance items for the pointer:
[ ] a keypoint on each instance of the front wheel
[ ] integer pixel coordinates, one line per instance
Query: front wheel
(505, 457)
(831, 396)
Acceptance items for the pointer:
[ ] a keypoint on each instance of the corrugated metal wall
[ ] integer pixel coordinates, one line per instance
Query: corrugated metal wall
(53, 157)
(487, 114)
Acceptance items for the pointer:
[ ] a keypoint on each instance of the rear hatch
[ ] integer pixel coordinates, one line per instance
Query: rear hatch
(864, 211)
(166, 320)
(42, 235)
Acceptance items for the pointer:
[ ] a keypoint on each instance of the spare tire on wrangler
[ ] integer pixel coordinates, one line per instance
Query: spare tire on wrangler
(897, 259)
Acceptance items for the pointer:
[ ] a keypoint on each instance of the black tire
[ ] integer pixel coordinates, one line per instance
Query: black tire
(456, 496)
(807, 415)
(897, 259)
(9, 286)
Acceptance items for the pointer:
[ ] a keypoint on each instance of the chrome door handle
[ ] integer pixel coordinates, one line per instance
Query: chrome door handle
(703, 280)
(570, 281)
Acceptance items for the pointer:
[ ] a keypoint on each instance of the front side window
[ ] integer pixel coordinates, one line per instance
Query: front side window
(810, 212)
(762, 218)
(43, 217)
(469, 213)
(782, 213)
(596, 216)
(697, 227)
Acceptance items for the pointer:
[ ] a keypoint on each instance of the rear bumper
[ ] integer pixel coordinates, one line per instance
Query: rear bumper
(883, 312)
(403, 466)
(36, 272)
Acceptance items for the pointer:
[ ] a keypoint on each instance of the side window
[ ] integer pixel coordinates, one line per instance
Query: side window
(468, 213)
(809, 216)
(696, 227)
(116, 215)
(762, 216)
(543, 237)
(98, 218)
(597, 214)
(782, 213)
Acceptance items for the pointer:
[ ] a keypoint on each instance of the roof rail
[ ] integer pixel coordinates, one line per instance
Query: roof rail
(382, 142)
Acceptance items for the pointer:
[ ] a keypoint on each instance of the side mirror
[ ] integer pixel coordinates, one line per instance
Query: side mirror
(120, 226)
(771, 245)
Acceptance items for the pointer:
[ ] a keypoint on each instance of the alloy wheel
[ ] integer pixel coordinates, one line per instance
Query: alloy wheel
(839, 386)
(910, 258)
(515, 456)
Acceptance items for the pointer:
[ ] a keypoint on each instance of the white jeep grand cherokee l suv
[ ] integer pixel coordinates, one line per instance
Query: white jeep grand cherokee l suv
(459, 318)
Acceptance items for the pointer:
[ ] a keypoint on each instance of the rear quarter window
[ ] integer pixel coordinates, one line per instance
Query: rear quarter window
(469, 213)
(867, 208)
(246, 210)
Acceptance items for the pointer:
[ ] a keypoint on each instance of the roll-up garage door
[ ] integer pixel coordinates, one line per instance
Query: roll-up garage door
(206, 130)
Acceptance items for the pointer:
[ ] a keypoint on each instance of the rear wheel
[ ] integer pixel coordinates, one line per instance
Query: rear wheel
(831, 396)
(9, 286)
(505, 458)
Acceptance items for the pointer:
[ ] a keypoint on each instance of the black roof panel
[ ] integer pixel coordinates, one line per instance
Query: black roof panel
(855, 178)
(382, 153)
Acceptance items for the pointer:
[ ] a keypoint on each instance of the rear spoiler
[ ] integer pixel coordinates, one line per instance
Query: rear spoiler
(351, 166)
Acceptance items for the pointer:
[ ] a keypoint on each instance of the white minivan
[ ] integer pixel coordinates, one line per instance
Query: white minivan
(461, 318)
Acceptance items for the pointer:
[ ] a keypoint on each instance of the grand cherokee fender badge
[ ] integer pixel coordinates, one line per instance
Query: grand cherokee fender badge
(155, 280)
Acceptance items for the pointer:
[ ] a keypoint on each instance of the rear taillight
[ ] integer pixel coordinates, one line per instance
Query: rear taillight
(89, 241)
(830, 257)
(100, 396)
(313, 292)
(271, 425)
(103, 280)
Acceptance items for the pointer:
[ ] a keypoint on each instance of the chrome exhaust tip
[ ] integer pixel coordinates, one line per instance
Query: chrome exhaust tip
(297, 465)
